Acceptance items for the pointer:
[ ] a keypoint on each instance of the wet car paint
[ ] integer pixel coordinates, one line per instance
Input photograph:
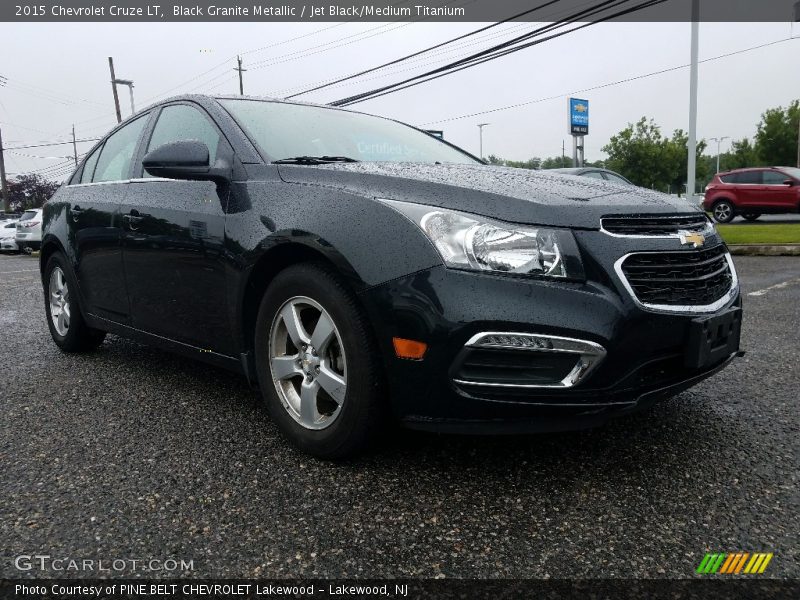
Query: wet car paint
(190, 275)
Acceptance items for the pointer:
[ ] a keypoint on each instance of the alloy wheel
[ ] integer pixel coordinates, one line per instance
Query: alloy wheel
(722, 212)
(307, 363)
(59, 301)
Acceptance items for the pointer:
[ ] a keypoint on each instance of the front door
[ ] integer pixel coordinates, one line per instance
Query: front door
(173, 244)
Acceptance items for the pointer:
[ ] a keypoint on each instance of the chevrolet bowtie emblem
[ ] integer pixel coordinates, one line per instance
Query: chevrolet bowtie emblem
(696, 239)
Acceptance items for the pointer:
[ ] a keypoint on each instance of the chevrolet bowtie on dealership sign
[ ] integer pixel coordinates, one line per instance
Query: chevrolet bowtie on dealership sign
(734, 563)
(578, 116)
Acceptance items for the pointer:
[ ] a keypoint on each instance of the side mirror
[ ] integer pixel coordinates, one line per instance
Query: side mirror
(789, 182)
(187, 159)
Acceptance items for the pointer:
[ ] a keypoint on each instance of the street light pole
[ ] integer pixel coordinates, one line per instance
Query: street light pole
(480, 135)
(719, 140)
(691, 166)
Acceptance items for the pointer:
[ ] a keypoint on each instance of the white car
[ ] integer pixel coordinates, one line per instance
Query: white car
(8, 231)
(29, 230)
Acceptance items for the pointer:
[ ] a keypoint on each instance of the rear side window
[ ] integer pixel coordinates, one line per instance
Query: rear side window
(593, 174)
(28, 215)
(115, 158)
(616, 178)
(749, 177)
(181, 122)
(89, 165)
(774, 178)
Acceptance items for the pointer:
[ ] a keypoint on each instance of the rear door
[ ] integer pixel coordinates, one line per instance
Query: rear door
(749, 189)
(173, 244)
(93, 217)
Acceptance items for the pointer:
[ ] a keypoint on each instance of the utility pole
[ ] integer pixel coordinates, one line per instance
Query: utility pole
(719, 141)
(480, 136)
(3, 184)
(691, 166)
(129, 83)
(114, 88)
(241, 70)
(74, 145)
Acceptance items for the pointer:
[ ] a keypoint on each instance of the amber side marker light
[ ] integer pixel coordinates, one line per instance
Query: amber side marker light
(409, 349)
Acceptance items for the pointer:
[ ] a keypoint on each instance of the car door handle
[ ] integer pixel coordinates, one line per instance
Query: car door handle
(133, 218)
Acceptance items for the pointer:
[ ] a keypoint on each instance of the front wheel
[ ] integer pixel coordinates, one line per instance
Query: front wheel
(723, 212)
(317, 363)
(67, 327)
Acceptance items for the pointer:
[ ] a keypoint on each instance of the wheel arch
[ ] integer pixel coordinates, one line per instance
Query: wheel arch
(276, 259)
(50, 245)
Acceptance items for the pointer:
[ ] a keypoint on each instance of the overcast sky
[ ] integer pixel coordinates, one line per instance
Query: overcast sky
(58, 75)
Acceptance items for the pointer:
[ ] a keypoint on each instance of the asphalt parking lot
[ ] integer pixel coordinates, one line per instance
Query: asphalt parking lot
(133, 453)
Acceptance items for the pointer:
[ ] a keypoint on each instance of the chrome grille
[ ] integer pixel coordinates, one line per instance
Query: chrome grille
(654, 225)
(689, 278)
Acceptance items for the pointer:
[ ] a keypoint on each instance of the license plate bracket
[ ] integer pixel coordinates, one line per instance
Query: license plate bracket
(713, 338)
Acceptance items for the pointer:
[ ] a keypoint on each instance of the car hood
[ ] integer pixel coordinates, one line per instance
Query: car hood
(514, 195)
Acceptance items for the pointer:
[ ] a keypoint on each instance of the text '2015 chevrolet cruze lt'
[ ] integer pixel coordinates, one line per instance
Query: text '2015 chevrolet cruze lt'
(359, 270)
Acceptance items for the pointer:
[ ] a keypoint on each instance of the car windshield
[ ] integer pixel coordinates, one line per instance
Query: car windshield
(792, 172)
(27, 215)
(285, 131)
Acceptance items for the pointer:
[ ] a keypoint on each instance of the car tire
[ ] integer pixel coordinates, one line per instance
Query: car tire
(62, 307)
(723, 212)
(325, 395)
(751, 216)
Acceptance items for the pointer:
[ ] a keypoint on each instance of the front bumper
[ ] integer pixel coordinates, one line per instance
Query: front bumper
(643, 361)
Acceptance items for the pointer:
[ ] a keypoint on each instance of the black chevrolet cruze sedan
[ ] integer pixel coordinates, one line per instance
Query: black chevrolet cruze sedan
(360, 270)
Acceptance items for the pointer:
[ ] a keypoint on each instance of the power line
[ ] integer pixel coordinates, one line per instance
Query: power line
(508, 47)
(43, 144)
(425, 50)
(605, 85)
(260, 49)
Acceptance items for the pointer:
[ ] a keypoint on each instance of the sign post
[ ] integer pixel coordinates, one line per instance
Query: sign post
(578, 111)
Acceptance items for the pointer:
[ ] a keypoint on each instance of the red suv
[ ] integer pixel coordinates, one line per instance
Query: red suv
(753, 192)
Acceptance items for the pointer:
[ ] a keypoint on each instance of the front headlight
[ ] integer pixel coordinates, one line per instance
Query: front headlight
(467, 241)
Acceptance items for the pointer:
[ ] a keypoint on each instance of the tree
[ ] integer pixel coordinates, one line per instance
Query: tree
(30, 191)
(642, 154)
(776, 137)
(742, 154)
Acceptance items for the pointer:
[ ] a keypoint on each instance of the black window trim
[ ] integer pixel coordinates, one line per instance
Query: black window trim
(101, 144)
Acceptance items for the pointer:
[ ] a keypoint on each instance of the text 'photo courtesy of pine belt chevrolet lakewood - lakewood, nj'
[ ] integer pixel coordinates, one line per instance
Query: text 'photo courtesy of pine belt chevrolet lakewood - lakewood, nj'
(361, 271)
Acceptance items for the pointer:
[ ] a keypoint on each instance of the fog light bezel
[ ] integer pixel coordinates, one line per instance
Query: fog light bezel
(588, 355)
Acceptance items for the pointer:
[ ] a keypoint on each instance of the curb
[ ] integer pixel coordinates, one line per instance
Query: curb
(765, 250)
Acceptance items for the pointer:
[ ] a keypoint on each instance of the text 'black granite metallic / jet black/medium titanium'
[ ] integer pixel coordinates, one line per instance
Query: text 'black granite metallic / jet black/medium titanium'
(360, 271)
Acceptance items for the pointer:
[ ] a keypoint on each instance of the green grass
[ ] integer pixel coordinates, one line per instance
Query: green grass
(772, 233)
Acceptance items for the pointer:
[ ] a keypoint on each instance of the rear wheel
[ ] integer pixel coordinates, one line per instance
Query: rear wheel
(64, 318)
(751, 216)
(723, 212)
(318, 366)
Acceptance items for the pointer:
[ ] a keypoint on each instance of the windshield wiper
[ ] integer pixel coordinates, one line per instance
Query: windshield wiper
(313, 160)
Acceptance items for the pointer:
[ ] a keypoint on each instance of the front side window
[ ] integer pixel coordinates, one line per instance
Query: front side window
(115, 158)
(775, 178)
(181, 122)
(284, 130)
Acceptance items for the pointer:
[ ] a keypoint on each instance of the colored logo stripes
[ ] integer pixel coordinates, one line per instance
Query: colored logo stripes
(734, 563)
